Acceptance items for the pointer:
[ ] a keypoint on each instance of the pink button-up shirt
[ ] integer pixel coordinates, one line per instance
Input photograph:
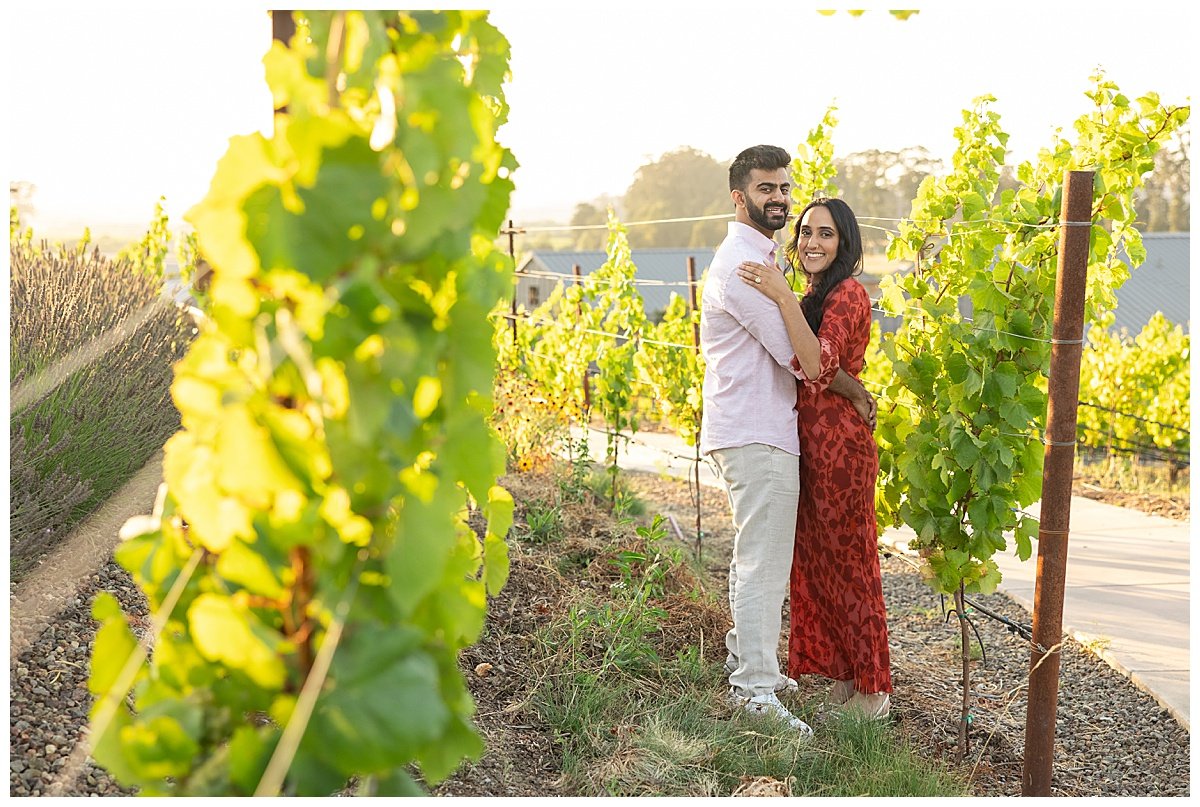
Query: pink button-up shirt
(749, 376)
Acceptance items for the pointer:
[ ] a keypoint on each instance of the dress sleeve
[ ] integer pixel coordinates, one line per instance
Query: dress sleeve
(846, 308)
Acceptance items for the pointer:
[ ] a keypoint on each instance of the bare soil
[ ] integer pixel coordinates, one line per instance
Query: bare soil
(1090, 486)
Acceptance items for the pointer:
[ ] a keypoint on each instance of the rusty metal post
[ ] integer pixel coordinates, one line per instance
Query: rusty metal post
(587, 392)
(517, 280)
(691, 278)
(1061, 417)
(283, 28)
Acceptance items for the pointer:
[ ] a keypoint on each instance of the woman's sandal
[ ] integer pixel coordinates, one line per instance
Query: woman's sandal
(877, 706)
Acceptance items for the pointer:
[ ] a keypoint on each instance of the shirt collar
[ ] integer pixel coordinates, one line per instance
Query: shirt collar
(757, 239)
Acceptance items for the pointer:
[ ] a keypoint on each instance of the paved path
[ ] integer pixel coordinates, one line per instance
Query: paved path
(1128, 578)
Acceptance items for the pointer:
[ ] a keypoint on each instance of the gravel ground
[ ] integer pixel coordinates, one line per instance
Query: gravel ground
(1112, 739)
(48, 695)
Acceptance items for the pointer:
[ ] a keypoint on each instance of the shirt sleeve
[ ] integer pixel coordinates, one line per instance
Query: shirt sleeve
(847, 308)
(758, 314)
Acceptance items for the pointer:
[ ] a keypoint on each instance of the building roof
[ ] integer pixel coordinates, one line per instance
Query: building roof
(1161, 283)
(661, 265)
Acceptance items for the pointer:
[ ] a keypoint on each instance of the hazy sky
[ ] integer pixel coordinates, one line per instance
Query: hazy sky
(112, 105)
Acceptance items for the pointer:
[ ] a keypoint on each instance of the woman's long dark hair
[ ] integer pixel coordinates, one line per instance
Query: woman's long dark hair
(847, 263)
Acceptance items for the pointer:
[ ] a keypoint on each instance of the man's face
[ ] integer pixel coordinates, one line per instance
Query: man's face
(766, 200)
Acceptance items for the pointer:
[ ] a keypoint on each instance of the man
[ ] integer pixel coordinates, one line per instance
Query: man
(749, 428)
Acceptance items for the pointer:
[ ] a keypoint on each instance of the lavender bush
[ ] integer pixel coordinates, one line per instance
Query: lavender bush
(91, 403)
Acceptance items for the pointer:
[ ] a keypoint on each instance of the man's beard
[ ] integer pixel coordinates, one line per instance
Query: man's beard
(759, 216)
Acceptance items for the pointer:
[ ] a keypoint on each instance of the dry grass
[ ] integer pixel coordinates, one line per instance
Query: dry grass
(615, 636)
(1152, 486)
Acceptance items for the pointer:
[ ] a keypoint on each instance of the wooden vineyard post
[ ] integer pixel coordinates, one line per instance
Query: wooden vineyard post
(510, 232)
(587, 392)
(691, 277)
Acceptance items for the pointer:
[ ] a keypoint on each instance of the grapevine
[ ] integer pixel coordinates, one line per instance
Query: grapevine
(1137, 389)
(148, 255)
(614, 306)
(672, 372)
(960, 453)
(309, 557)
(813, 170)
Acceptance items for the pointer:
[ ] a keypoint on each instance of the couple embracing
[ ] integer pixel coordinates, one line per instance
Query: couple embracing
(791, 431)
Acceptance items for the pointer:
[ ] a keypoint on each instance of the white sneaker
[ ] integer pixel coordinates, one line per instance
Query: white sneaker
(787, 686)
(769, 706)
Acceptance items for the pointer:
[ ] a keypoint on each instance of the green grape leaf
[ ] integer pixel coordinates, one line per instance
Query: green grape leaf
(180, 666)
(1008, 377)
(312, 775)
(957, 367)
(241, 564)
(230, 634)
(499, 514)
(423, 541)
(220, 226)
(990, 579)
(114, 644)
(158, 748)
(397, 782)
(108, 748)
(1026, 532)
(1029, 481)
(378, 665)
(248, 462)
(964, 448)
(893, 301)
(439, 760)
(250, 750)
(1015, 414)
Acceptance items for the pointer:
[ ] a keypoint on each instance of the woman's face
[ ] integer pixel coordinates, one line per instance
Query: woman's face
(818, 243)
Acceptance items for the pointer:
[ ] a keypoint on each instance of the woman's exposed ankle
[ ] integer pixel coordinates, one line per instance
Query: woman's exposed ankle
(841, 691)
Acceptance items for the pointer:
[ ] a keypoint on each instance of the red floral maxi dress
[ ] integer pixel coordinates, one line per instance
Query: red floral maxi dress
(838, 621)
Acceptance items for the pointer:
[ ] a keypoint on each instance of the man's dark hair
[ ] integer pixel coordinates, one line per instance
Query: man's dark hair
(764, 158)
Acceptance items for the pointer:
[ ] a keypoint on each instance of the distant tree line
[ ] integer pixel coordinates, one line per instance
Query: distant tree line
(683, 183)
(1164, 201)
(687, 183)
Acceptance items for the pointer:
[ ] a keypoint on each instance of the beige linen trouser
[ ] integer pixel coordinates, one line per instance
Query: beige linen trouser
(764, 486)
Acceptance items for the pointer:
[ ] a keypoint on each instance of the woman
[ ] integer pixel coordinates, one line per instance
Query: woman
(839, 625)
